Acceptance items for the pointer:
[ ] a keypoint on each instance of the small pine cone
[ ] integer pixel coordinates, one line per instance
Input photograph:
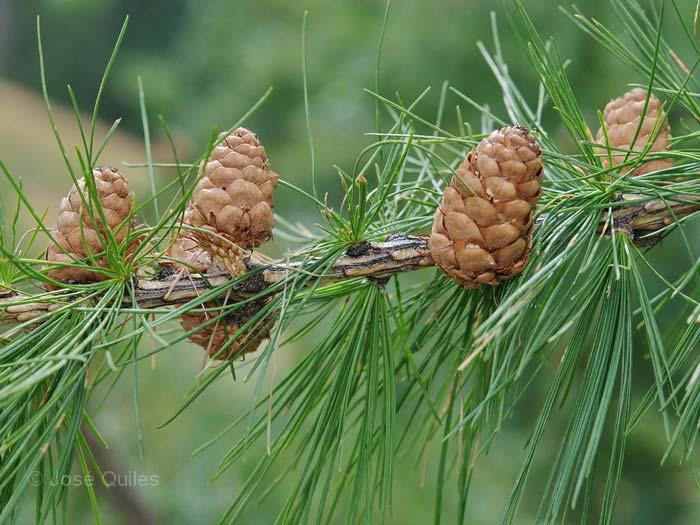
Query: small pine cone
(216, 334)
(622, 116)
(233, 200)
(481, 230)
(76, 233)
(186, 254)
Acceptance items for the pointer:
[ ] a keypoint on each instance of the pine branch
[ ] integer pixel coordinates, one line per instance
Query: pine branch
(395, 371)
(645, 221)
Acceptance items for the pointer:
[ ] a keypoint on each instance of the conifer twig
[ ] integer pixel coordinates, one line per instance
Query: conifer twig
(645, 222)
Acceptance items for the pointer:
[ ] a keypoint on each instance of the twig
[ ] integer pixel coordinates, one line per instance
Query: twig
(645, 222)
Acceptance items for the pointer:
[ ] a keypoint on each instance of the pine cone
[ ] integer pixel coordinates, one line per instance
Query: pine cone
(185, 254)
(622, 116)
(216, 334)
(233, 200)
(481, 230)
(78, 235)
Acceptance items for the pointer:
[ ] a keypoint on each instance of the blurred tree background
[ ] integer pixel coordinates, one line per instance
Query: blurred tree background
(203, 64)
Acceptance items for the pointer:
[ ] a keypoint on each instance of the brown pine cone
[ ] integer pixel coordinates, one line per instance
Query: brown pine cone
(233, 200)
(215, 335)
(76, 232)
(622, 116)
(481, 230)
(185, 254)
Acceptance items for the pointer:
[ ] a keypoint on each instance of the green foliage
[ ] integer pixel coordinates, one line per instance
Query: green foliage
(415, 366)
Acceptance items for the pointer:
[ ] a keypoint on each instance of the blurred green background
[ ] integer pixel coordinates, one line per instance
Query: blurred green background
(203, 64)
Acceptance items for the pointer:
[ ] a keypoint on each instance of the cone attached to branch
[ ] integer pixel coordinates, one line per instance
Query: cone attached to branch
(81, 230)
(482, 228)
(186, 254)
(230, 213)
(622, 119)
(214, 336)
(233, 200)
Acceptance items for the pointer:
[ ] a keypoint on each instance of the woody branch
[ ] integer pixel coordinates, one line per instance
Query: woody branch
(643, 222)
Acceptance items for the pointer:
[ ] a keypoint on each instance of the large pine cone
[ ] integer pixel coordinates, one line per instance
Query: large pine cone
(233, 200)
(481, 230)
(76, 232)
(622, 116)
(216, 334)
